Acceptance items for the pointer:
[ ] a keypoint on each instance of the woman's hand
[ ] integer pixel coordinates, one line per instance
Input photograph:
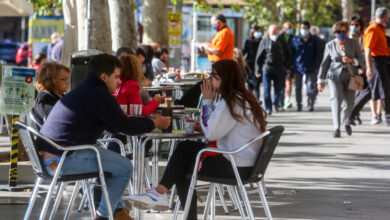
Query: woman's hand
(197, 126)
(208, 89)
(320, 87)
(346, 59)
(160, 99)
(146, 83)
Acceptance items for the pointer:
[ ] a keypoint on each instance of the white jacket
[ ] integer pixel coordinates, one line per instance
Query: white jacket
(219, 125)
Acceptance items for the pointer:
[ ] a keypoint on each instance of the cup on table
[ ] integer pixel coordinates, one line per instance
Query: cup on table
(135, 110)
(189, 127)
(168, 102)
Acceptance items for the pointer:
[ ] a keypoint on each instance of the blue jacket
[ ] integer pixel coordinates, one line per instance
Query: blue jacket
(304, 54)
(82, 115)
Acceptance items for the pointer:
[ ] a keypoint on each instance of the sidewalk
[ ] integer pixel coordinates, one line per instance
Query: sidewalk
(311, 176)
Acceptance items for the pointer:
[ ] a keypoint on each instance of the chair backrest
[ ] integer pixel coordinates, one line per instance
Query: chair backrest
(26, 134)
(267, 150)
(37, 124)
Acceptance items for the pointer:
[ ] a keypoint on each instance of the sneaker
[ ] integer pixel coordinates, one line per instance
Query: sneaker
(149, 200)
(299, 109)
(287, 105)
(375, 121)
(311, 109)
(336, 133)
(348, 130)
(379, 117)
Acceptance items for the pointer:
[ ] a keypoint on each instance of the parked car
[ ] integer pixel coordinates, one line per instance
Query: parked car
(22, 54)
(8, 51)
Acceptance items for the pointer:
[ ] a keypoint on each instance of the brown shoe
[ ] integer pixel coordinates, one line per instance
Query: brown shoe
(122, 214)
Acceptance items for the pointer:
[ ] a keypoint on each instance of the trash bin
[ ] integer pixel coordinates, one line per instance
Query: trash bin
(79, 65)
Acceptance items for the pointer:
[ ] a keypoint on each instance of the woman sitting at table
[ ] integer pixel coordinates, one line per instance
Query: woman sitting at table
(128, 92)
(52, 83)
(237, 119)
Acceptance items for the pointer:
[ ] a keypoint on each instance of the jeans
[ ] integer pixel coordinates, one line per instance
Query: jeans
(120, 168)
(311, 88)
(277, 79)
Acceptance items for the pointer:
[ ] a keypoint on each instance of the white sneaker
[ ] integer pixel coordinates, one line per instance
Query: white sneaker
(149, 200)
(375, 121)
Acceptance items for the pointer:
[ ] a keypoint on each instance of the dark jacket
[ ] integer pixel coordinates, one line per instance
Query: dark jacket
(320, 52)
(272, 56)
(304, 54)
(44, 102)
(82, 115)
(289, 60)
(249, 51)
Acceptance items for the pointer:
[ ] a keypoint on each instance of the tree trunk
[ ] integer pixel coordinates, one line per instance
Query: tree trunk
(156, 22)
(81, 24)
(99, 31)
(122, 19)
(346, 5)
(70, 30)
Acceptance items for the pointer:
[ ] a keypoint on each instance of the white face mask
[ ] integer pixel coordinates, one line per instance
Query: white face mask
(273, 37)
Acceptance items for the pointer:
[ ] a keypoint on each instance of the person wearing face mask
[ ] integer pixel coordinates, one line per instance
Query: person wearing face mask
(249, 51)
(287, 35)
(376, 55)
(222, 45)
(271, 60)
(340, 54)
(304, 51)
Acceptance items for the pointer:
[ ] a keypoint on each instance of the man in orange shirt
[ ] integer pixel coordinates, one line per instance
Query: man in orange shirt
(222, 45)
(376, 54)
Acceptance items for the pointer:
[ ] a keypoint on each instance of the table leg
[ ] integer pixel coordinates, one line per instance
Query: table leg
(155, 162)
(138, 174)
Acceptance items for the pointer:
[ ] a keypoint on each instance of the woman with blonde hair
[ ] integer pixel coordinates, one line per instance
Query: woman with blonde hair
(52, 83)
(239, 58)
(128, 91)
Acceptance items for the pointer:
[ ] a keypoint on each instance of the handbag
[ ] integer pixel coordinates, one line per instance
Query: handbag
(356, 82)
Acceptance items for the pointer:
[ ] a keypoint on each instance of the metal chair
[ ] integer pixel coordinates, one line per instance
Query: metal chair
(27, 135)
(33, 118)
(270, 141)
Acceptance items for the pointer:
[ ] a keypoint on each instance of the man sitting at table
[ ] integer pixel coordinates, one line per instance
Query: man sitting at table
(80, 117)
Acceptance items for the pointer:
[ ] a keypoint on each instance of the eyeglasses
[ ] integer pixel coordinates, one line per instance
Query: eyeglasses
(64, 80)
(341, 32)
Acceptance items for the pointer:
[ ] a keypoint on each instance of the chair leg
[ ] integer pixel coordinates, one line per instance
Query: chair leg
(207, 204)
(171, 197)
(222, 198)
(57, 200)
(33, 196)
(264, 201)
(212, 208)
(72, 198)
(246, 202)
(176, 210)
(240, 208)
(47, 199)
(263, 184)
(83, 200)
(148, 174)
(232, 198)
(90, 198)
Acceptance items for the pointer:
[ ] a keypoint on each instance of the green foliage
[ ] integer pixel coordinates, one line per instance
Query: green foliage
(47, 7)
(318, 12)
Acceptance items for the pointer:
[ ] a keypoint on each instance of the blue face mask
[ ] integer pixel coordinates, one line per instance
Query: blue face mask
(289, 31)
(304, 32)
(341, 36)
(214, 27)
(353, 30)
(257, 34)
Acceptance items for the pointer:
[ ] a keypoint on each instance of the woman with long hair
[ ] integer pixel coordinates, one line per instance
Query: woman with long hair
(234, 121)
(128, 91)
(39, 60)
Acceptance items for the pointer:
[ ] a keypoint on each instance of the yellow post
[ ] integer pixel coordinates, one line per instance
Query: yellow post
(13, 170)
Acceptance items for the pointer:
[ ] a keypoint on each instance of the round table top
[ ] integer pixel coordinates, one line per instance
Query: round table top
(174, 134)
(159, 88)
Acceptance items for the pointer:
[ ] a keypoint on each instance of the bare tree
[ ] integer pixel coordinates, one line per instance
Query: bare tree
(156, 22)
(346, 5)
(81, 24)
(70, 30)
(122, 19)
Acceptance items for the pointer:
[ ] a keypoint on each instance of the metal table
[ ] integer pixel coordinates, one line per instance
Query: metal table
(139, 158)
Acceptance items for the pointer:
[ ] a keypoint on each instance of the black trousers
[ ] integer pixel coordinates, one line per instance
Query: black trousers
(182, 164)
(380, 82)
(361, 98)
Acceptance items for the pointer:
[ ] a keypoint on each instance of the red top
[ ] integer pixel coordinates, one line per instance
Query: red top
(130, 94)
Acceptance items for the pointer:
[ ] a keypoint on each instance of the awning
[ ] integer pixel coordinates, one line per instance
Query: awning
(14, 8)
